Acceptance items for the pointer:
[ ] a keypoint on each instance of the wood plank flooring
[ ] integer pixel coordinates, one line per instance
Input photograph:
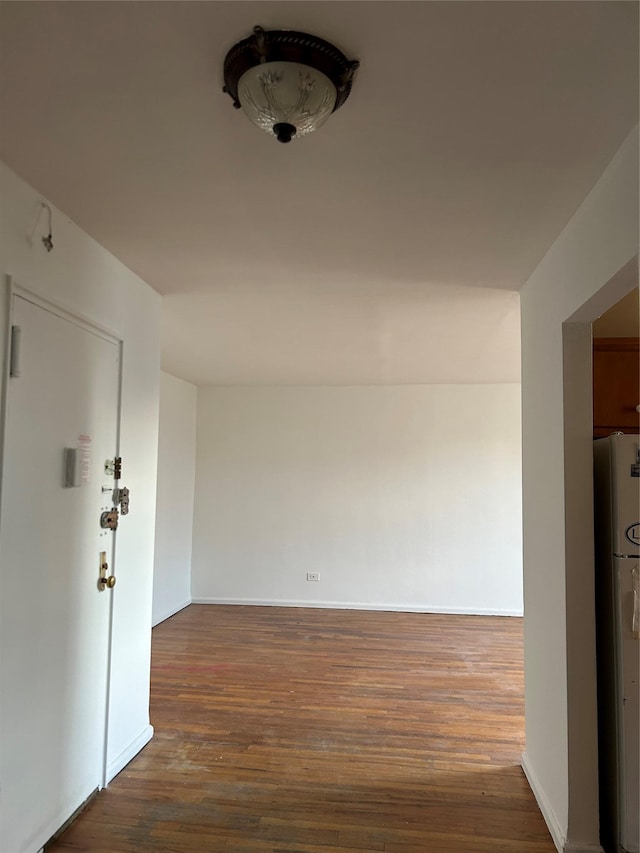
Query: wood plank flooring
(291, 730)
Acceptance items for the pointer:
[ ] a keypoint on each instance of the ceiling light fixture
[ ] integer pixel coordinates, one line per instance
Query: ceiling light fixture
(287, 83)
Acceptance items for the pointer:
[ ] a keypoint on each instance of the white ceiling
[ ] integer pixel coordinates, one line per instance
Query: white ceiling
(381, 248)
(329, 334)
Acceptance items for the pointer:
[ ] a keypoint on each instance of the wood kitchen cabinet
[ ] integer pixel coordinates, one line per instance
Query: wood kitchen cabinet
(616, 385)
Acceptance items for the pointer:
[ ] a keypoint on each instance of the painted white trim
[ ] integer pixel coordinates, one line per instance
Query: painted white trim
(359, 605)
(64, 814)
(63, 311)
(171, 612)
(582, 847)
(4, 380)
(128, 753)
(553, 825)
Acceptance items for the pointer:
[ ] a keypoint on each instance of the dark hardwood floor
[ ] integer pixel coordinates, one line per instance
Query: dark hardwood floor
(290, 730)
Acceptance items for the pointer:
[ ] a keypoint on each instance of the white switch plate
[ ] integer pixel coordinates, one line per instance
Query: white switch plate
(313, 576)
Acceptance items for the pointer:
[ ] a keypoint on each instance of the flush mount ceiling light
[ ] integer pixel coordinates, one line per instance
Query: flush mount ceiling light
(288, 83)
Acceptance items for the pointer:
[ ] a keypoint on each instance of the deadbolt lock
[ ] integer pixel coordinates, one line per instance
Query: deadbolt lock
(109, 519)
(105, 582)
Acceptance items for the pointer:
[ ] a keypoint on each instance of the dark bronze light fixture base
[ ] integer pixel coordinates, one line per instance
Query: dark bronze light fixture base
(289, 46)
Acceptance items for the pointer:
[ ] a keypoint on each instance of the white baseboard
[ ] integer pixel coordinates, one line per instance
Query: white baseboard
(63, 815)
(558, 836)
(358, 605)
(170, 612)
(120, 761)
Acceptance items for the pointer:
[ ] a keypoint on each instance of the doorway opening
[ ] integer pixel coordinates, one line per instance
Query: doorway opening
(579, 546)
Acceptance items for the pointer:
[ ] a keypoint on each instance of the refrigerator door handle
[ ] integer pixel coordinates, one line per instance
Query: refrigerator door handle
(635, 623)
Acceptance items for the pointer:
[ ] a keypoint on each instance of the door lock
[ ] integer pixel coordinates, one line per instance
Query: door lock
(104, 581)
(109, 519)
(113, 467)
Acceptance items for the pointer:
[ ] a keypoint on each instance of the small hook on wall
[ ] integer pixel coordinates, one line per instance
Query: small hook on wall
(47, 240)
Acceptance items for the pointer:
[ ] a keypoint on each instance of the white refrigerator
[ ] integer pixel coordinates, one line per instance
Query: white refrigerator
(617, 525)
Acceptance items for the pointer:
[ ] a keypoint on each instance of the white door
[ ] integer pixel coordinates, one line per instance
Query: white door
(54, 619)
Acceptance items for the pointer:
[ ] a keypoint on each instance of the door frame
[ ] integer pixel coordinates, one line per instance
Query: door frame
(582, 708)
(13, 289)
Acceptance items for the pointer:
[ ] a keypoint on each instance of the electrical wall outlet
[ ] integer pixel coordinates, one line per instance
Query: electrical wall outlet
(313, 576)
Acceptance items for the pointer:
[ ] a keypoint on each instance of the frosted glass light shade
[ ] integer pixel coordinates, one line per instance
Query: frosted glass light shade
(287, 82)
(286, 94)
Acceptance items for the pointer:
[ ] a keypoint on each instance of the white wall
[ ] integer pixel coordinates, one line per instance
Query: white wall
(399, 496)
(561, 753)
(84, 278)
(622, 320)
(174, 507)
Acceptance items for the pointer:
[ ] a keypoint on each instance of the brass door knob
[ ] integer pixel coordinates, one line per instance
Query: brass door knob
(103, 580)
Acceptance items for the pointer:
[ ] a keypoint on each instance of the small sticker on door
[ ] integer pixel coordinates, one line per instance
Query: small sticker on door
(84, 446)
